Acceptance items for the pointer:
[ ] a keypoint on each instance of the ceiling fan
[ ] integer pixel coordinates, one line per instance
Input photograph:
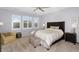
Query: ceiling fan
(42, 9)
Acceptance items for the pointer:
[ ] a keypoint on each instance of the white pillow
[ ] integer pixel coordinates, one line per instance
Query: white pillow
(54, 27)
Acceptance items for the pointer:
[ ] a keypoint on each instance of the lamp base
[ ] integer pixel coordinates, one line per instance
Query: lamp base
(73, 30)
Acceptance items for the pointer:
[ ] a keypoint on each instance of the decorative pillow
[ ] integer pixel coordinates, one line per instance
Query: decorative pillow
(54, 27)
(49, 29)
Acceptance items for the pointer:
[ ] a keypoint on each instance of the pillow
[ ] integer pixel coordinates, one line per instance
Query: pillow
(49, 29)
(54, 27)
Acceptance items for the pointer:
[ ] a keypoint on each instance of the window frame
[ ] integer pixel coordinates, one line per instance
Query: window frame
(37, 25)
(36, 20)
(27, 18)
(15, 19)
(13, 25)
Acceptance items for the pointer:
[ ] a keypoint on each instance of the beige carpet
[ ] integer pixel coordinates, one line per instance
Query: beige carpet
(23, 45)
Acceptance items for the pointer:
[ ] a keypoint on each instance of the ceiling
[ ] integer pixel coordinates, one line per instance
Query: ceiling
(29, 10)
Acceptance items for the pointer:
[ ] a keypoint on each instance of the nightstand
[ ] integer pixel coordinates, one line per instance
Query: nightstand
(18, 35)
(71, 37)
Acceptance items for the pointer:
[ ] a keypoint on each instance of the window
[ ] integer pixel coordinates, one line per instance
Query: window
(36, 22)
(16, 22)
(27, 22)
(36, 25)
(16, 25)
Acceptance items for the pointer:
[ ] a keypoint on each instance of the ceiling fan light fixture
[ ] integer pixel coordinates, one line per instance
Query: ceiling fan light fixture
(40, 8)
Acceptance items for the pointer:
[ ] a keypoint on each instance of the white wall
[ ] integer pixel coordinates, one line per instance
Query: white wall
(69, 15)
(78, 32)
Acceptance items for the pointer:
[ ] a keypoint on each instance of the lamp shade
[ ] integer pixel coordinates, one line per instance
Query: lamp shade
(74, 25)
(43, 24)
(1, 23)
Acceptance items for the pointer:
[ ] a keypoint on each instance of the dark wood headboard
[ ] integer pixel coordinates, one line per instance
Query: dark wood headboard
(60, 24)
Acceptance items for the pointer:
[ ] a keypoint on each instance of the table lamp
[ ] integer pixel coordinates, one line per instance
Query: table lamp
(74, 25)
(1, 23)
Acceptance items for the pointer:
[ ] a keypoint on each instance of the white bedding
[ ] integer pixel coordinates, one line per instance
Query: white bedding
(49, 36)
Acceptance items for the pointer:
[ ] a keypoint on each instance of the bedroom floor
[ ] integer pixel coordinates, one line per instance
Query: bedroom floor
(23, 45)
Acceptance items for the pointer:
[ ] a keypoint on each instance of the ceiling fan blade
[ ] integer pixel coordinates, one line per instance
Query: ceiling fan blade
(44, 7)
(35, 9)
(41, 9)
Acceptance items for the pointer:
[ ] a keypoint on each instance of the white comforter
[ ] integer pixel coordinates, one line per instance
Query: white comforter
(49, 36)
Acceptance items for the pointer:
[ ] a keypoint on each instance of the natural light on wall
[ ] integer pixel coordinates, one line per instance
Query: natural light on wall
(1, 23)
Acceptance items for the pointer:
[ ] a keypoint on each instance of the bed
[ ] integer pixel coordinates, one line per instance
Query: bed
(48, 36)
